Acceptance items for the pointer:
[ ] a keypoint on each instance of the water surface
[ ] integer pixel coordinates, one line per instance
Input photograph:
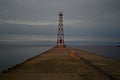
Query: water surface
(12, 55)
(108, 51)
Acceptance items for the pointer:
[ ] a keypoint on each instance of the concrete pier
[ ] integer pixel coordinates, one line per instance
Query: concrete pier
(65, 64)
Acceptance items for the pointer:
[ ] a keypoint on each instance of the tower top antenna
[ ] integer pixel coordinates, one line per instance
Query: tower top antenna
(60, 12)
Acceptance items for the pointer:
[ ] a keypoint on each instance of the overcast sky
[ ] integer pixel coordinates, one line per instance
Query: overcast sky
(85, 21)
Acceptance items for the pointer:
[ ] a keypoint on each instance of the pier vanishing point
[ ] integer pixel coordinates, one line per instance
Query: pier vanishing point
(64, 63)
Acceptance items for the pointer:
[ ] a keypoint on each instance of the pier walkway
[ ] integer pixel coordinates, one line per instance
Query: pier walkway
(65, 64)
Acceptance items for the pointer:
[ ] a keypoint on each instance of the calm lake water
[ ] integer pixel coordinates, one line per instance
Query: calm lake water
(12, 55)
(108, 51)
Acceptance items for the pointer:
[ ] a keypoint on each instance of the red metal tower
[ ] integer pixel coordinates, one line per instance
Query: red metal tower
(60, 35)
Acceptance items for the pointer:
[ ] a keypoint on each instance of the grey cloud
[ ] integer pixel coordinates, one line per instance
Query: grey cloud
(92, 18)
(27, 29)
